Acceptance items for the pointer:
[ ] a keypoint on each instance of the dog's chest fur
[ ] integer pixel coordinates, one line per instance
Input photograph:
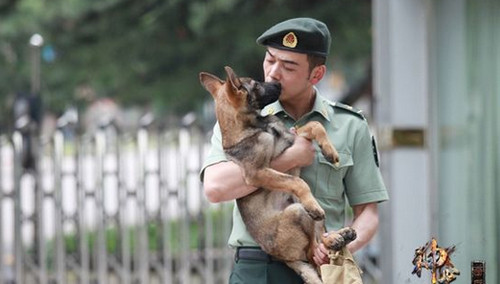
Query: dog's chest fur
(268, 138)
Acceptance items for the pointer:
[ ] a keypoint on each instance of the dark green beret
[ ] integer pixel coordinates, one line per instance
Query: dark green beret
(304, 35)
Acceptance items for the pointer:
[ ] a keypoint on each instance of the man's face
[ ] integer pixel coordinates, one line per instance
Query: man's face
(291, 69)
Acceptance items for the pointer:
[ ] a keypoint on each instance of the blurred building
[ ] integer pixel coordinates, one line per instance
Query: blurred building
(437, 94)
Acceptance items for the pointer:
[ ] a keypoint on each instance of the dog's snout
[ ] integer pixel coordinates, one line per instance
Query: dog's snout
(278, 86)
(270, 94)
(273, 88)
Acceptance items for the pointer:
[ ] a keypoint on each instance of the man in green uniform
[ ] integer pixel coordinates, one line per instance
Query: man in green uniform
(296, 52)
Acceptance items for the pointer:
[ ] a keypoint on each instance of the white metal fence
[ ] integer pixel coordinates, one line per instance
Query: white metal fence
(110, 208)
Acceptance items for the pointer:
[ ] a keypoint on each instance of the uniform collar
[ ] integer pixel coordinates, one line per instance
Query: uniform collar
(320, 106)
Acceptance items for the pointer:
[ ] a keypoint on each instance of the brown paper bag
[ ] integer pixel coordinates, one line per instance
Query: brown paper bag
(342, 269)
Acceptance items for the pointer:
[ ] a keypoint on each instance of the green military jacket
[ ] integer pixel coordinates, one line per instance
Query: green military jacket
(356, 180)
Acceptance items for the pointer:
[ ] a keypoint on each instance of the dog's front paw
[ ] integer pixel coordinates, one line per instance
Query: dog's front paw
(330, 154)
(338, 239)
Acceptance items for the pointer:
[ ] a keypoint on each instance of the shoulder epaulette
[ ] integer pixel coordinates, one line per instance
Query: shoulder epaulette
(348, 108)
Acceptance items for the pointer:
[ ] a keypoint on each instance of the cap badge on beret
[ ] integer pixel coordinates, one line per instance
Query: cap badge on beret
(290, 40)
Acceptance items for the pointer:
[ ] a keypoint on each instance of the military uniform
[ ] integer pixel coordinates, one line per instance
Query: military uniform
(356, 179)
(357, 176)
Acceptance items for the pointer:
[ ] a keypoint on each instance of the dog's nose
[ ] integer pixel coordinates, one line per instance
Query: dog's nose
(276, 85)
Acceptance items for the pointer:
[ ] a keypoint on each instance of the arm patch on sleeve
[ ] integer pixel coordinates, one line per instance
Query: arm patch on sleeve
(375, 152)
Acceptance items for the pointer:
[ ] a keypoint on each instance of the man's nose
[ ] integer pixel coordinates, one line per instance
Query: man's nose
(274, 72)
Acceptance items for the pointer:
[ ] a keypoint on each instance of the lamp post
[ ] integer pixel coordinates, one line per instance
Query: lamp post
(36, 43)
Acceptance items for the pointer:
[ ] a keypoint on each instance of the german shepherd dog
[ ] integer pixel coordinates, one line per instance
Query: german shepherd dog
(284, 228)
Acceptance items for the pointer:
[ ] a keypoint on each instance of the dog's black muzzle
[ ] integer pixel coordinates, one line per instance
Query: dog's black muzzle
(272, 92)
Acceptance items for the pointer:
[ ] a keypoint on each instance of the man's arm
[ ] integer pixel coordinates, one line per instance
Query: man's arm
(224, 181)
(365, 223)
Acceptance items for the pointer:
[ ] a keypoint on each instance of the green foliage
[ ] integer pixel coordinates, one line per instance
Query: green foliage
(158, 235)
(150, 52)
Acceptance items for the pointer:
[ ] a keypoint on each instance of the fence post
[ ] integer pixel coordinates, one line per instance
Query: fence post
(83, 244)
(7, 270)
(183, 205)
(142, 262)
(59, 240)
(18, 245)
(100, 264)
(3, 267)
(165, 194)
(122, 212)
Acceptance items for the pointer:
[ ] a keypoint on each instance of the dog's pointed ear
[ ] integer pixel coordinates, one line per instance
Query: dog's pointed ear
(233, 79)
(210, 82)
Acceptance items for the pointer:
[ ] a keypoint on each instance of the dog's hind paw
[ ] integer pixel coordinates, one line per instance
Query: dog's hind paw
(315, 212)
(339, 239)
(313, 208)
(348, 233)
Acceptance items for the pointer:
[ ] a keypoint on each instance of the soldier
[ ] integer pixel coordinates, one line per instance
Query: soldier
(296, 52)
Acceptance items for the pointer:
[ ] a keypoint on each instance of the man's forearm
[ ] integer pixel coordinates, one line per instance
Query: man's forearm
(365, 223)
(224, 182)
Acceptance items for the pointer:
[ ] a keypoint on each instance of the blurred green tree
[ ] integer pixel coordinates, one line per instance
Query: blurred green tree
(149, 52)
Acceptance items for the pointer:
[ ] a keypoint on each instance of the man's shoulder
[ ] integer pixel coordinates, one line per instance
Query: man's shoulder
(339, 107)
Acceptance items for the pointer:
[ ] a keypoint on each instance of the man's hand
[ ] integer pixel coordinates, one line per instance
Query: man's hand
(321, 254)
(300, 154)
(303, 151)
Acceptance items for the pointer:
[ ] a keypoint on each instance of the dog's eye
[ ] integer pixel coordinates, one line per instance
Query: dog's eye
(244, 88)
(249, 86)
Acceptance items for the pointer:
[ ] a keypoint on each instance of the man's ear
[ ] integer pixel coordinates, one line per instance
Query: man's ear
(317, 74)
(211, 83)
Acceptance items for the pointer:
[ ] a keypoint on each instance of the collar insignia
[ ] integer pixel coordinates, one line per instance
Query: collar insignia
(290, 40)
(270, 111)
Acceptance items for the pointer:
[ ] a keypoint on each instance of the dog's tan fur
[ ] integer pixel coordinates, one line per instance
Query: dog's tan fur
(284, 228)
